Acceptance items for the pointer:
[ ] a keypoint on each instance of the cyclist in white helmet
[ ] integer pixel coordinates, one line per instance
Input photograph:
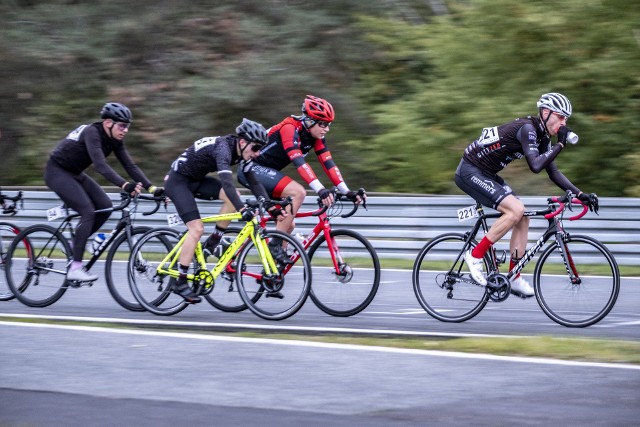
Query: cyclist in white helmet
(496, 147)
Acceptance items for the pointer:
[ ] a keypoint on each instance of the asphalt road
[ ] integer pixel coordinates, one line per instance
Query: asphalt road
(76, 375)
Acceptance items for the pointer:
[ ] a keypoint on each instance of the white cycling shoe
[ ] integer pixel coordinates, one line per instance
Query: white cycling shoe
(475, 268)
(520, 286)
(81, 275)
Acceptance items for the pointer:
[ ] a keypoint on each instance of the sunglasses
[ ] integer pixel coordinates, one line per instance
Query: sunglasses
(256, 147)
(323, 124)
(122, 125)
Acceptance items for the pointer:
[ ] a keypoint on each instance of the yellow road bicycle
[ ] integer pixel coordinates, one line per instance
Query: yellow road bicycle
(259, 279)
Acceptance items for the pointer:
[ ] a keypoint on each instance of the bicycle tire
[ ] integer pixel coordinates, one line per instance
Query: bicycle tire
(441, 283)
(351, 292)
(294, 286)
(116, 266)
(583, 304)
(30, 276)
(225, 296)
(154, 292)
(8, 232)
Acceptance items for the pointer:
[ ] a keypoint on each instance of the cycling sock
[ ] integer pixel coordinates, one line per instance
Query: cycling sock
(482, 248)
(215, 237)
(75, 265)
(512, 264)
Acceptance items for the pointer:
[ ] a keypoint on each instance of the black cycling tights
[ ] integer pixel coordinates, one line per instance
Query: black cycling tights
(82, 194)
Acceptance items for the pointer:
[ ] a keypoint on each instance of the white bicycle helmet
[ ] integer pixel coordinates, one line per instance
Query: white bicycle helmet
(556, 102)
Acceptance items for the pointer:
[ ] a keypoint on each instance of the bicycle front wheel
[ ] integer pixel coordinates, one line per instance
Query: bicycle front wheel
(115, 269)
(282, 294)
(153, 290)
(589, 297)
(36, 267)
(442, 283)
(7, 233)
(351, 289)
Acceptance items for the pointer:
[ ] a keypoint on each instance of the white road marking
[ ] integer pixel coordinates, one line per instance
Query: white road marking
(292, 343)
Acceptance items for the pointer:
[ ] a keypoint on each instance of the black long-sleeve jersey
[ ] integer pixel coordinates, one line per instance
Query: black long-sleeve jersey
(217, 154)
(90, 144)
(525, 137)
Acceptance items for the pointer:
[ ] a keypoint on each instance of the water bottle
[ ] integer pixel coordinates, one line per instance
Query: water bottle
(97, 241)
(572, 138)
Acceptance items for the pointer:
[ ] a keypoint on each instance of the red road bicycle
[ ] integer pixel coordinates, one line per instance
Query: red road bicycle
(345, 266)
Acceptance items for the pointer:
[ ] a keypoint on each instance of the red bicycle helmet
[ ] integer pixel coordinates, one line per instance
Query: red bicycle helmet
(318, 109)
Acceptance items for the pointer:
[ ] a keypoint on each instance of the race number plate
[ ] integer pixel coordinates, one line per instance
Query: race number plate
(467, 213)
(55, 213)
(174, 220)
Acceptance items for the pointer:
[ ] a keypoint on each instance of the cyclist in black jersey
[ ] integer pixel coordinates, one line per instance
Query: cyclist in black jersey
(188, 178)
(496, 147)
(64, 174)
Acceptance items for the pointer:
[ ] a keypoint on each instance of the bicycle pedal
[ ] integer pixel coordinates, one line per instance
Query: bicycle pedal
(275, 295)
(519, 295)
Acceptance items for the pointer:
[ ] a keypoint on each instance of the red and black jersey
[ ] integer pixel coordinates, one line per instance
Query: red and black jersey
(290, 142)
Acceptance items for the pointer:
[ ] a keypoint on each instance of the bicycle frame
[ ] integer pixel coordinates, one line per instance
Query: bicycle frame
(554, 229)
(252, 230)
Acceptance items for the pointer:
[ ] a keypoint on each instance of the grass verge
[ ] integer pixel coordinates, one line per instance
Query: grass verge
(574, 349)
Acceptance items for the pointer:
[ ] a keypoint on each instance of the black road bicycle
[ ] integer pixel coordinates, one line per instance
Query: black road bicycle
(576, 278)
(8, 232)
(39, 256)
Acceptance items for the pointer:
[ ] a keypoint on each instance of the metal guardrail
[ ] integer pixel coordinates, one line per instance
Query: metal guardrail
(399, 225)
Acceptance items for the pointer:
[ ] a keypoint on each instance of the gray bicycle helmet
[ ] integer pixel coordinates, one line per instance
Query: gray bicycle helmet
(556, 102)
(252, 132)
(116, 112)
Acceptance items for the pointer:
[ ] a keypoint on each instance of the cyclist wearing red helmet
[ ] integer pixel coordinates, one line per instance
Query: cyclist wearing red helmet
(289, 142)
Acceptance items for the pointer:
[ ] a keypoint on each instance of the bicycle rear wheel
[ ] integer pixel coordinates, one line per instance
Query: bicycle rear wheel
(442, 284)
(115, 269)
(352, 289)
(282, 295)
(152, 290)
(7, 233)
(36, 267)
(225, 296)
(589, 298)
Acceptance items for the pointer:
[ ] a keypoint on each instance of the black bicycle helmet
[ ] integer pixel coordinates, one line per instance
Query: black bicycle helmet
(116, 112)
(252, 132)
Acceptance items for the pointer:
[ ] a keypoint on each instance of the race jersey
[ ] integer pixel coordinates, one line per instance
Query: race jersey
(290, 142)
(90, 144)
(217, 154)
(526, 137)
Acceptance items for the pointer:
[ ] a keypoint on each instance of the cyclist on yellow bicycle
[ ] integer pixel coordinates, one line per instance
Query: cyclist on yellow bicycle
(64, 174)
(188, 178)
(497, 146)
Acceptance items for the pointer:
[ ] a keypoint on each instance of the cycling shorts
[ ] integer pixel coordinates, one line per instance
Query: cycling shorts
(486, 188)
(183, 191)
(273, 180)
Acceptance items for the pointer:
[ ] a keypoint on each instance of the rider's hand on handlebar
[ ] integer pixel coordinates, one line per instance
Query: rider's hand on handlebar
(131, 188)
(247, 214)
(590, 200)
(156, 191)
(326, 196)
(356, 196)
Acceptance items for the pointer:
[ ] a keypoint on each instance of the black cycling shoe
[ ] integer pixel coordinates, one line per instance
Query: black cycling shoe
(210, 246)
(279, 254)
(186, 293)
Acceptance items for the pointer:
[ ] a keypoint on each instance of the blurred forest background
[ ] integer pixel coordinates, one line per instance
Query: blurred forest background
(413, 82)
